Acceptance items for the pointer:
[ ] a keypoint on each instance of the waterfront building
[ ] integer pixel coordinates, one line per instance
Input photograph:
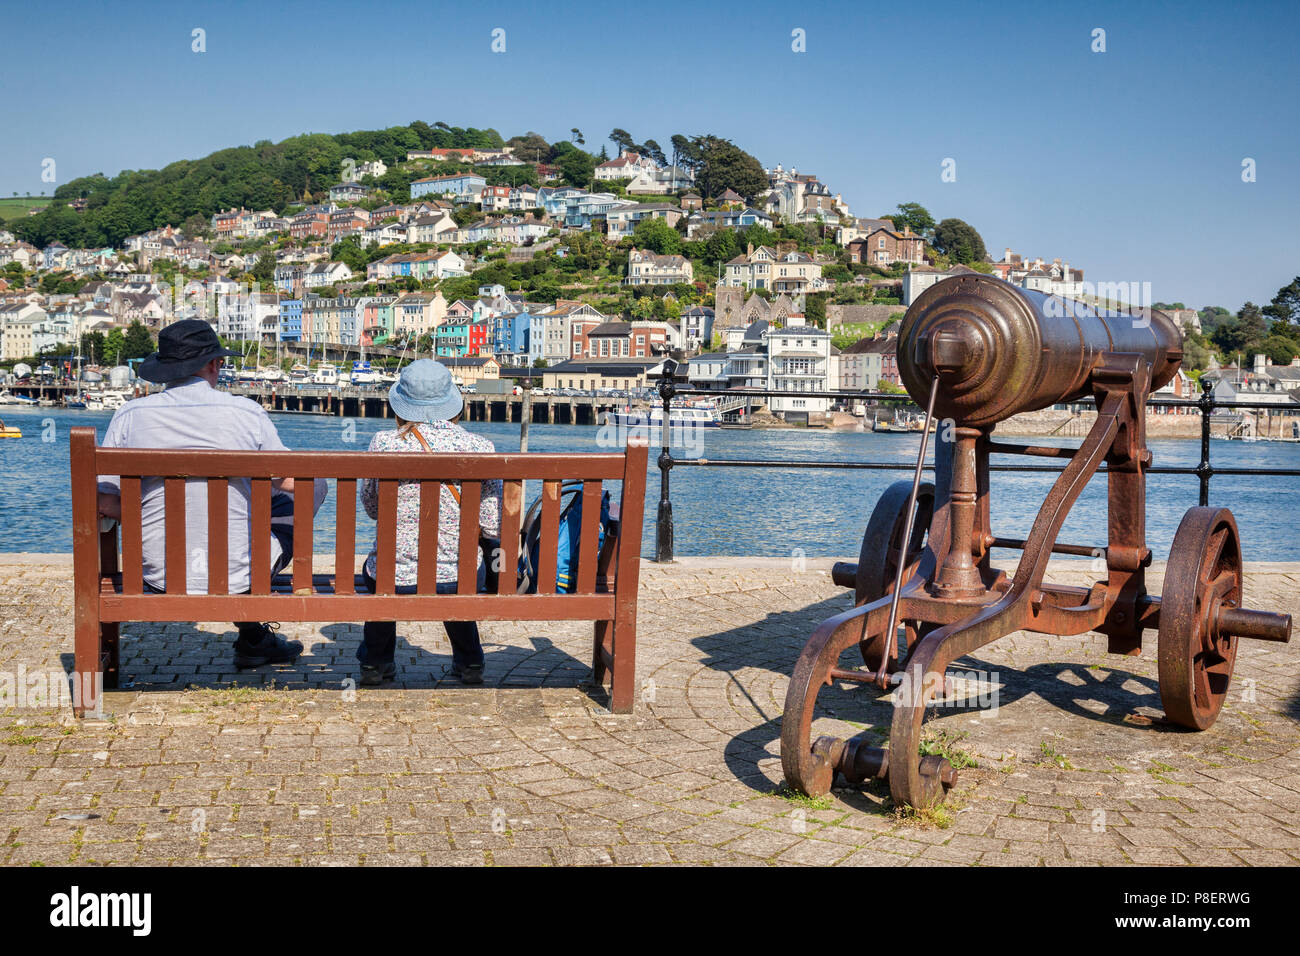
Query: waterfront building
(589, 374)
(697, 327)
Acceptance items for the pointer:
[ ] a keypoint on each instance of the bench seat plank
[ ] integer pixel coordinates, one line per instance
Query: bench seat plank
(441, 466)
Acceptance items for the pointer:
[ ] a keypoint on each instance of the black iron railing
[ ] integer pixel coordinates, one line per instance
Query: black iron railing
(669, 388)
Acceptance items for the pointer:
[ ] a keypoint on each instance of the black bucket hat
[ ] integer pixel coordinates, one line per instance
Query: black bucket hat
(184, 347)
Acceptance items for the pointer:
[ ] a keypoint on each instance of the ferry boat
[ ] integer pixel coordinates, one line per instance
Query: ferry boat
(363, 374)
(681, 414)
(105, 401)
(326, 374)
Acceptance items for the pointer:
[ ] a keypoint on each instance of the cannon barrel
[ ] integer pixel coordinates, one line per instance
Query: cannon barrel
(1000, 350)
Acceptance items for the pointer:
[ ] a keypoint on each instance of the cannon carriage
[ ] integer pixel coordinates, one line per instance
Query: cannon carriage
(974, 350)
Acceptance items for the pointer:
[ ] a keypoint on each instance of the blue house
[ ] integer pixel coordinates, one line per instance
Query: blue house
(510, 336)
(291, 320)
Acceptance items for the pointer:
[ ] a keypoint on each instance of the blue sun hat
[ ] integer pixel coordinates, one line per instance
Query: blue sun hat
(425, 392)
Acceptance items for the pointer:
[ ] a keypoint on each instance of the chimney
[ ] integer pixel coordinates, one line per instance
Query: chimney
(1260, 362)
(1006, 254)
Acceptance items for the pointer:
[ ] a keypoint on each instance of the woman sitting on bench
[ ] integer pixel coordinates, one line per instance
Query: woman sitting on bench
(427, 405)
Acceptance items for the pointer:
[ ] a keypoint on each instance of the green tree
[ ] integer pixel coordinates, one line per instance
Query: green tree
(1251, 322)
(651, 148)
(681, 151)
(723, 165)
(348, 251)
(137, 343)
(113, 343)
(657, 236)
(959, 241)
(92, 347)
(914, 216)
(815, 309)
(264, 269)
(1228, 336)
(1286, 304)
(621, 139)
(721, 246)
(1280, 349)
(577, 168)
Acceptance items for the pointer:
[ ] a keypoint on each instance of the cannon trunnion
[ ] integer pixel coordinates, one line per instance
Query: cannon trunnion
(977, 350)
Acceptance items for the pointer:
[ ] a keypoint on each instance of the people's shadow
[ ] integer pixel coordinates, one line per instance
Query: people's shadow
(775, 642)
(158, 657)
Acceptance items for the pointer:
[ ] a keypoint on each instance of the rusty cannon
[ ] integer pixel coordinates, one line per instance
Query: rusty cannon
(973, 351)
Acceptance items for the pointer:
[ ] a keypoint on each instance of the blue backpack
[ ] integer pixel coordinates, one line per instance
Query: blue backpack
(566, 559)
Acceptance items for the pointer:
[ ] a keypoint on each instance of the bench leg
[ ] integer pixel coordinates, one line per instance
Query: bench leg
(623, 692)
(108, 637)
(88, 662)
(601, 645)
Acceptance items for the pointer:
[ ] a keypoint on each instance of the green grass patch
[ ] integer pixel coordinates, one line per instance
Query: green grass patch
(791, 795)
(13, 208)
(1050, 756)
(842, 336)
(942, 743)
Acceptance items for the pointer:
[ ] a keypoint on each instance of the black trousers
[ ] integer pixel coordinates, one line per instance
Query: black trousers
(379, 638)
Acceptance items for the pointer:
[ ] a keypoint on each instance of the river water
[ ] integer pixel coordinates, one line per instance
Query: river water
(773, 512)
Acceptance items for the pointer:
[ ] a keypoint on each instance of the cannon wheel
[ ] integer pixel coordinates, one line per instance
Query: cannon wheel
(881, 545)
(1203, 575)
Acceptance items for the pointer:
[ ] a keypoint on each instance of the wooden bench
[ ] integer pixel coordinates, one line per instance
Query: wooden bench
(109, 591)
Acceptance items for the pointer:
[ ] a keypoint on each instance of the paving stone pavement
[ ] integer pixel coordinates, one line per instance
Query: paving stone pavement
(198, 764)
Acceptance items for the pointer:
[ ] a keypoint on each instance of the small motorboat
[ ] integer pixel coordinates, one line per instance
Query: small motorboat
(10, 431)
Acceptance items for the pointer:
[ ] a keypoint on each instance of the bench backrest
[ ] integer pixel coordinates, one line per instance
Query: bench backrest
(217, 468)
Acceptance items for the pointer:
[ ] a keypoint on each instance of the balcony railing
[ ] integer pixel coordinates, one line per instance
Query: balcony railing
(668, 389)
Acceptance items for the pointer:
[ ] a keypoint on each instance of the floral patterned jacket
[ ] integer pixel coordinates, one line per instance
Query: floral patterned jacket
(442, 437)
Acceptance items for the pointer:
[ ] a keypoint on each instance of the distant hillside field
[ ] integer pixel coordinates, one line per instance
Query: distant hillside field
(16, 207)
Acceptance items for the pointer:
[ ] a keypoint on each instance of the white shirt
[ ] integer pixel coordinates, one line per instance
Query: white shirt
(191, 414)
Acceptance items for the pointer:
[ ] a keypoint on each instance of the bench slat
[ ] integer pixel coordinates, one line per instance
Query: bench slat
(132, 536)
(345, 534)
(357, 607)
(259, 565)
(218, 536)
(174, 533)
(512, 505)
(426, 574)
(471, 493)
(440, 466)
(304, 498)
(549, 539)
(588, 542)
(386, 537)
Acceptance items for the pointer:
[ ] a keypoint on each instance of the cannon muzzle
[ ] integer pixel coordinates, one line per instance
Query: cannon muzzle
(999, 350)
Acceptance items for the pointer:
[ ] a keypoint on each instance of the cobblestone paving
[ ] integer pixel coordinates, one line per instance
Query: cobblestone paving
(198, 764)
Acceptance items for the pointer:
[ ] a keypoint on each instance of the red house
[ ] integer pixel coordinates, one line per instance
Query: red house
(480, 337)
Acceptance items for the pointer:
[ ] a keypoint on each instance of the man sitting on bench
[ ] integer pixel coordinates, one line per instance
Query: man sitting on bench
(192, 413)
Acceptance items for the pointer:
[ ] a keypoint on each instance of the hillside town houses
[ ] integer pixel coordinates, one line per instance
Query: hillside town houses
(752, 333)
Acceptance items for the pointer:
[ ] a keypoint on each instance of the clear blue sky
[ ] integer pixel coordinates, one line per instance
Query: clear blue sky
(1125, 163)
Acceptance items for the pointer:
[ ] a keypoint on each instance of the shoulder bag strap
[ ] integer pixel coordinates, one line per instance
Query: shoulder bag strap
(415, 430)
